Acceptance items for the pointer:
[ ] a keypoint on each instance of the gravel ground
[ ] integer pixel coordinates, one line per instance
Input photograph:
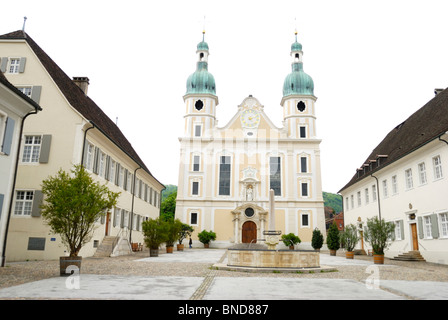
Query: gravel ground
(15, 273)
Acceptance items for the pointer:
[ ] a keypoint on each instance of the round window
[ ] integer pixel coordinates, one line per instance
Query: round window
(249, 212)
(301, 106)
(199, 105)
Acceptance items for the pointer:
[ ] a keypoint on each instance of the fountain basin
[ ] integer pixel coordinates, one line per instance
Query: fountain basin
(260, 258)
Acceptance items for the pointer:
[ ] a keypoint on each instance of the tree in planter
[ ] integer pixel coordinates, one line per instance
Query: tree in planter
(173, 228)
(317, 240)
(206, 236)
(155, 233)
(379, 234)
(185, 232)
(290, 240)
(333, 239)
(349, 239)
(73, 203)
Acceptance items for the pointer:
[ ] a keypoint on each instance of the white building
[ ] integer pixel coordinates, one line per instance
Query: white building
(405, 180)
(70, 130)
(226, 173)
(15, 107)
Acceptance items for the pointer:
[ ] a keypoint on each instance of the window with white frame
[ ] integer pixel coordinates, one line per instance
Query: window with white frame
(408, 177)
(398, 231)
(352, 201)
(437, 163)
(366, 194)
(14, 65)
(89, 156)
(304, 189)
(427, 228)
(197, 130)
(422, 173)
(358, 195)
(102, 164)
(194, 218)
(385, 190)
(3, 117)
(443, 217)
(196, 163)
(31, 149)
(394, 185)
(24, 203)
(26, 91)
(346, 203)
(374, 192)
(305, 219)
(195, 188)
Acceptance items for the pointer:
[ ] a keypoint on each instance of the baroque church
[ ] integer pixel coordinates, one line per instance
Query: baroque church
(226, 173)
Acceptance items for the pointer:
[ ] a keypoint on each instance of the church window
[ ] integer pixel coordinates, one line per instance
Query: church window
(297, 57)
(301, 106)
(196, 162)
(199, 105)
(224, 176)
(305, 220)
(249, 212)
(197, 130)
(304, 189)
(302, 132)
(275, 175)
(194, 218)
(195, 188)
(303, 164)
(201, 56)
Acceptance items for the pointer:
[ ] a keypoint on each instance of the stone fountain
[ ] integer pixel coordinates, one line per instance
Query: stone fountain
(260, 259)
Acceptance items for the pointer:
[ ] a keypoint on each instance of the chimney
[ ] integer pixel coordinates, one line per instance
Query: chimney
(437, 91)
(82, 82)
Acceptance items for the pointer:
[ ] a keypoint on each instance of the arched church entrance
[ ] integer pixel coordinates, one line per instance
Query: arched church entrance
(249, 232)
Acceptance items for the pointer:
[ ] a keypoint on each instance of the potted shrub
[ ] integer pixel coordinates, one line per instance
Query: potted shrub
(73, 203)
(379, 234)
(317, 240)
(185, 231)
(333, 239)
(290, 240)
(155, 233)
(206, 236)
(349, 239)
(173, 228)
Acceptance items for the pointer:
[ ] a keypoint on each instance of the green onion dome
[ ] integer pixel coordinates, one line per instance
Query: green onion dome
(201, 81)
(297, 82)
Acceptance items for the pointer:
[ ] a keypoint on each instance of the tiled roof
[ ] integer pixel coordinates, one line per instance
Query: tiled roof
(79, 101)
(426, 124)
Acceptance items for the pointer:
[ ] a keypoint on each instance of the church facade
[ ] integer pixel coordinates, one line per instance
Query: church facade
(226, 173)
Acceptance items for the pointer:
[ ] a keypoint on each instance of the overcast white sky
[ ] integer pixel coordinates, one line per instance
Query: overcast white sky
(373, 63)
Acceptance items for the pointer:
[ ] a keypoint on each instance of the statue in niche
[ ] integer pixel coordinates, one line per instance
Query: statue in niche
(249, 193)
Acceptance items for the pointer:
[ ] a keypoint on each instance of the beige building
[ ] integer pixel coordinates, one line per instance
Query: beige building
(72, 129)
(15, 108)
(404, 181)
(226, 173)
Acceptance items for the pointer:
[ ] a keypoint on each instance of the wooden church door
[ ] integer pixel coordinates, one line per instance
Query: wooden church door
(249, 232)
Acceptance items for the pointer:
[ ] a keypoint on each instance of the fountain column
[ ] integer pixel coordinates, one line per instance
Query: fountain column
(272, 235)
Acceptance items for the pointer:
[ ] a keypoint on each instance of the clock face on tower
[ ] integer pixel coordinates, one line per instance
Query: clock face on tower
(250, 118)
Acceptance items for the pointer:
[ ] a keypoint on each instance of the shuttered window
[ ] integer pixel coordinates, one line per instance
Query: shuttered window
(27, 203)
(36, 149)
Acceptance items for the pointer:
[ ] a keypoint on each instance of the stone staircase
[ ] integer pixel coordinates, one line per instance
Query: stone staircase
(106, 248)
(410, 256)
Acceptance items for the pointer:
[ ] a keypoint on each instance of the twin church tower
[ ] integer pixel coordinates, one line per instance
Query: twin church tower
(226, 173)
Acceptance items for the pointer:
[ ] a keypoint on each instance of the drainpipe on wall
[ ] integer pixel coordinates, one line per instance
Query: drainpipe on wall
(378, 195)
(440, 139)
(11, 201)
(84, 142)
(132, 206)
